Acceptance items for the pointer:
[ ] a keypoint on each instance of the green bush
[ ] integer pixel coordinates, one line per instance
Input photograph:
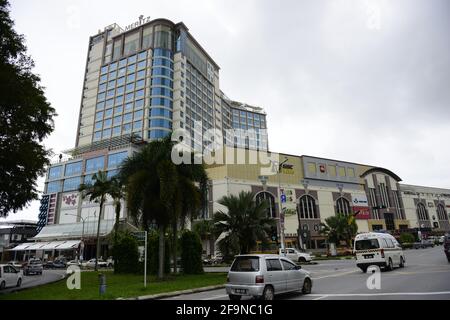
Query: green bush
(407, 245)
(153, 254)
(126, 254)
(191, 253)
(407, 238)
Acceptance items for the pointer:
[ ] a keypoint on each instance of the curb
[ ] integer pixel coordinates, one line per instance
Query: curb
(174, 293)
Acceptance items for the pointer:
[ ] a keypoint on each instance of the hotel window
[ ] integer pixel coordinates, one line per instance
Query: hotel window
(384, 195)
(397, 205)
(116, 159)
(131, 68)
(163, 37)
(108, 113)
(95, 164)
(55, 172)
(270, 200)
(71, 184)
(132, 59)
(341, 171)
(442, 215)
(73, 168)
(131, 43)
(312, 168)
(104, 70)
(142, 56)
(54, 187)
(343, 206)
(141, 74)
(147, 37)
(373, 203)
(307, 207)
(422, 212)
(139, 104)
(351, 172)
(117, 49)
(100, 106)
(122, 63)
(116, 131)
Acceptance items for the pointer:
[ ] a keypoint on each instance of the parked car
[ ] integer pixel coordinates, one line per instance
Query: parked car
(74, 263)
(380, 249)
(447, 246)
(9, 276)
(264, 276)
(441, 239)
(33, 266)
(423, 244)
(101, 264)
(57, 264)
(296, 255)
(15, 264)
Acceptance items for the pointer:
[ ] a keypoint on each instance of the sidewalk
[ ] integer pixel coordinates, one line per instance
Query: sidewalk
(174, 293)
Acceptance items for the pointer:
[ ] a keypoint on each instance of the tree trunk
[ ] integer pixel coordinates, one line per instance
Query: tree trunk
(97, 254)
(116, 228)
(174, 247)
(161, 253)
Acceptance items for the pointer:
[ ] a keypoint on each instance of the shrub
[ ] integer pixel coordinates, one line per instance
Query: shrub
(191, 253)
(407, 238)
(126, 254)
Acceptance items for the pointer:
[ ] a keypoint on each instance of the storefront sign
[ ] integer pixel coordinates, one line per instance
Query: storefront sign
(363, 214)
(359, 200)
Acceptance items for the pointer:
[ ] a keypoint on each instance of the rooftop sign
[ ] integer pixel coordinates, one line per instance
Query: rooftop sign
(138, 23)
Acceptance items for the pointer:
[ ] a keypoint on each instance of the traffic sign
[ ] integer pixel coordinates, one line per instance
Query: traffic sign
(283, 198)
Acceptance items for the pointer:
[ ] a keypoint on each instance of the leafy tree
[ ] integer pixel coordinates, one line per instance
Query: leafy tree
(26, 119)
(406, 237)
(191, 253)
(340, 227)
(126, 253)
(160, 192)
(97, 192)
(243, 224)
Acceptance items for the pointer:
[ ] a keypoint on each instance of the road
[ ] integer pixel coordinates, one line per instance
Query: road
(37, 280)
(426, 276)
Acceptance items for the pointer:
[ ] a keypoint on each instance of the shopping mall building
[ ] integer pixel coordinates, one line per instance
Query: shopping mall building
(151, 78)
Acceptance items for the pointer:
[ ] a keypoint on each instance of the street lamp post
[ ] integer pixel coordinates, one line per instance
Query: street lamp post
(82, 231)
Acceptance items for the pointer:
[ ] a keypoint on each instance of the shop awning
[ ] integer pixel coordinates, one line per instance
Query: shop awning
(52, 245)
(69, 245)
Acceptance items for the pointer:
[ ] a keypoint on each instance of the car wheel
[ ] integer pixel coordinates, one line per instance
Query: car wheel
(2, 285)
(302, 260)
(402, 262)
(234, 297)
(268, 293)
(19, 282)
(390, 266)
(307, 286)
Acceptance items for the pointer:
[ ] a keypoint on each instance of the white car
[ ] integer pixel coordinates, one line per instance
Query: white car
(296, 255)
(74, 263)
(380, 249)
(9, 276)
(101, 264)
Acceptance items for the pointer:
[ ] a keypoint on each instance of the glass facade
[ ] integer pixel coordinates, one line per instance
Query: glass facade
(71, 184)
(73, 169)
(55, 172)
(124, 87)
(116, 159)
(95, 164)
(161, 102)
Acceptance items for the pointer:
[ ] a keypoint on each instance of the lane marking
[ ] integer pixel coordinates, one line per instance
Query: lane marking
(380, 294)
(216, 297)
(335, 275)
(322, 297)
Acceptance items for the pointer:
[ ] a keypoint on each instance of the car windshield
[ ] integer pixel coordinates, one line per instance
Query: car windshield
(35, 262)
(367, 244)
(245, 264)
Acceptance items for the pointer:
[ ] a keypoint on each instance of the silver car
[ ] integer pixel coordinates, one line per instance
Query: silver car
(263, 276)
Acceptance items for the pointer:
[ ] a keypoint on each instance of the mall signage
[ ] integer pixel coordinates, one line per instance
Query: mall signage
(138, 23)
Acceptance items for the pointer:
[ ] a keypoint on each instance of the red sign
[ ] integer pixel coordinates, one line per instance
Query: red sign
(322, 168)
(364, 212)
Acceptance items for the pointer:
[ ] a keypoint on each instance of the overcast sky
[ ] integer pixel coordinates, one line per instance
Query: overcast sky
(353, 80)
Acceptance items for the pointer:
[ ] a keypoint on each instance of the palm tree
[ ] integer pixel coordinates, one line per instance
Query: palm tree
(117, 192)
(244, 223)
(97, 192)
(340, 227)
(158, 191)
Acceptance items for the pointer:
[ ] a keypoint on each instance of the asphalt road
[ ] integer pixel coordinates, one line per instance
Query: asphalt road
(426, 276)
(37, 280)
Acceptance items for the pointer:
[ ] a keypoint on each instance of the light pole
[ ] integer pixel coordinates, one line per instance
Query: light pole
(280, 206)
(305, 184)
(82, 231)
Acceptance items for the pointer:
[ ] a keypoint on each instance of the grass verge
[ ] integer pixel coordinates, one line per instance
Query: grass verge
(118, 286)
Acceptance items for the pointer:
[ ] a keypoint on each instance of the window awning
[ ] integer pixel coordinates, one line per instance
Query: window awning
(69, 245)
(52, 245)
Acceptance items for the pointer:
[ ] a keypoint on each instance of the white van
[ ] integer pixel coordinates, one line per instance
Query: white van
(380, 249)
